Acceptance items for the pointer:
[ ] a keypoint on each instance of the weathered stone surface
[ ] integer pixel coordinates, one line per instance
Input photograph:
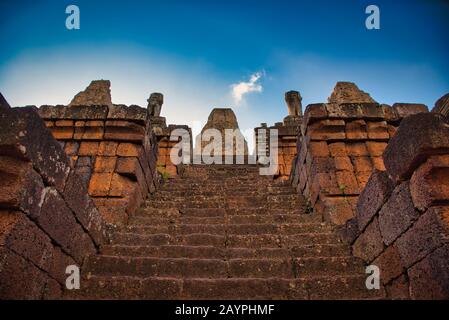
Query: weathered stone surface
(223, 119)
(20, 279)
(77, 198)
(369, 244)
(131, 113)
(57, 220)
(124, 131)
(82, 112)
(429, 278)
(376, 192)
(398, 213)
(23, 135)
(327, 130)
(398, 289)
(350, 231)
(428, 233)
(313, 113)
(442, 106)
(356, 130)
(430, 136)
(390, 264)
(430, 182)
(348, 92)
(21, 188)
(407, 109)
(96, 94)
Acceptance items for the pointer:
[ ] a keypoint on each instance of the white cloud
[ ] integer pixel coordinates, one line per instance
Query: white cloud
(238, 90)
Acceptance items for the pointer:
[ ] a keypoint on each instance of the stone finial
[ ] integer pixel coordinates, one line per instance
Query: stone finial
(442, 106)
(155, 102)
(98, 93)
(294, 103)
(348, 92)
(222, 119)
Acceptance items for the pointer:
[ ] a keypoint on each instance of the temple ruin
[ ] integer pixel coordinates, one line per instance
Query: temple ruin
(92, 184)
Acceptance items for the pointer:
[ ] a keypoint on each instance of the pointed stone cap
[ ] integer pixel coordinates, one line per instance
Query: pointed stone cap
(348, 92)
(98, 93)
(222, 118)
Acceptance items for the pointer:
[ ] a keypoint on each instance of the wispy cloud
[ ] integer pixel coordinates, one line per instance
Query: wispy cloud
(238, 90)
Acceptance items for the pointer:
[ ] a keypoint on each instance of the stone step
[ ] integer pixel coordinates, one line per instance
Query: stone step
(273, 241)
(214, 212)
(220, 268)
(189, 268)
(238, 241)
(211, 252)
(123, 287)
(237, 229)
(233, 219)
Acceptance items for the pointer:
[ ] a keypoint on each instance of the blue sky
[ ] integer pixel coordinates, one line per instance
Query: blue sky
(195, 51)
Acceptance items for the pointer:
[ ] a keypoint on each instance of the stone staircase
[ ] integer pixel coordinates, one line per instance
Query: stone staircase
(224, 232)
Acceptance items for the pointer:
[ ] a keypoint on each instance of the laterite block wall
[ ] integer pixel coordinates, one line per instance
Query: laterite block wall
(47, 219)
(113, 149)
(402, 216)
(339, 147)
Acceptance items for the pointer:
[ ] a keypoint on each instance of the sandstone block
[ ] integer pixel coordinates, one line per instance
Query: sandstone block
(21, 188)
(107, 148)
(398, 213)
(314, 112)
(338, 210)
(429, 278)
(362, 164)
(398, 289)
(347, 183)
(404, 110)
(20, 279)
(337, 149)
(130, 113)
(428, 233)
(130, 132)
(430, 136)
(88, 148)
(356, 130)
(343, 163)
(78, 200)
(369, 244)
(62, 133)
(100, 183)
(376, 149)
(105, 164)
(327, 130)
(377, 191)
(319, 149)
(23, 135)
(58, 221)
(126, 149)
(430, 182)
(357, 149)
(390, 264)
(378, 163)
(378, 130)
